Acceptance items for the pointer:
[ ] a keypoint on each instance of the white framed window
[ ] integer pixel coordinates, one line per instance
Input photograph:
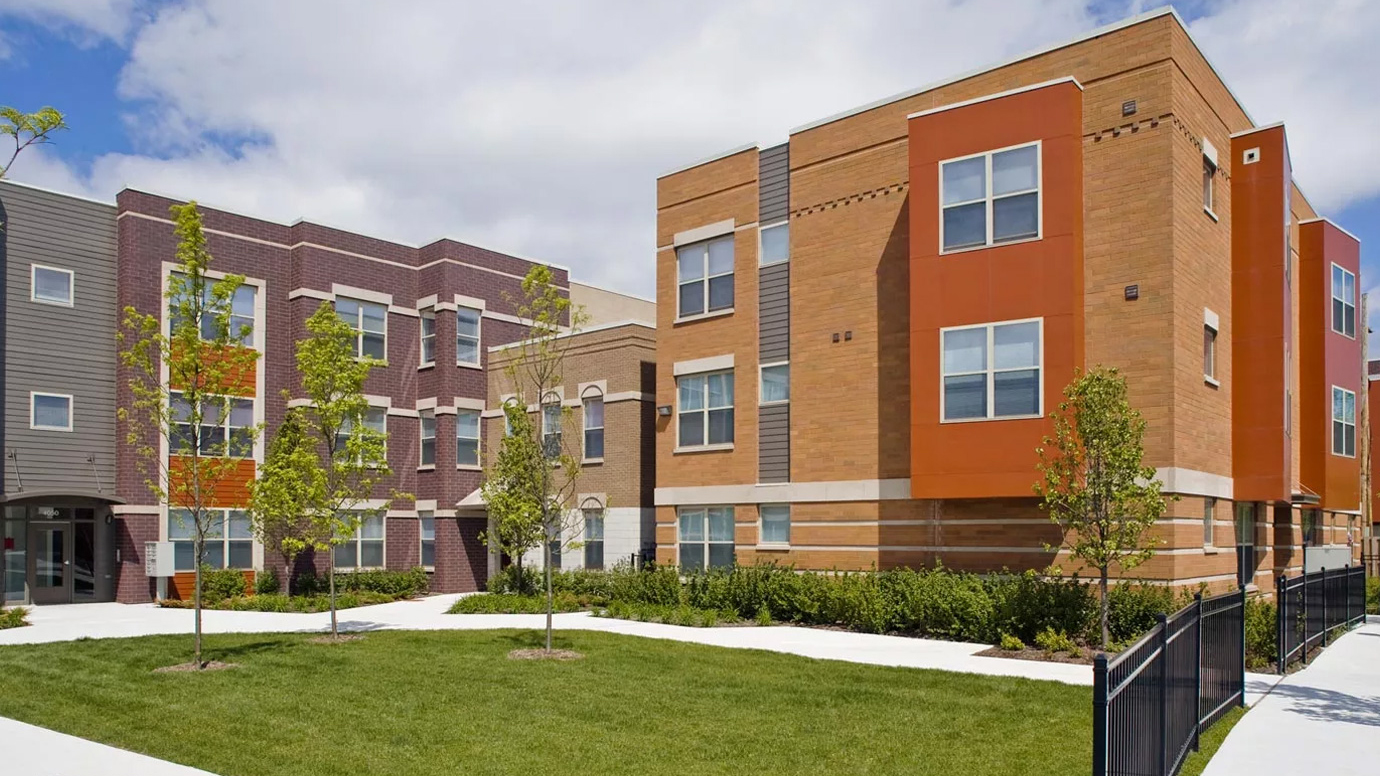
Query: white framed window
(704, 273)
(776, 243)
(223, 421)
(594, 537)
(363, 550)
(593, 402)
(1343, 302)
(705, 537)
(375, 418)
(1343, 422)
(426, 529)
(427, 436)
(428, 338)
(229, 540)
(990, 198)
(776, 524)
(1209, 172)
(51, 285)
(992, 371)
(1312, 528)
(467, 336)
(1209, 514)
(704, 410)
(370, 322)
(551, 418)
(240, 324)
(467, 439)
(1210, 354)
(50, 411)
(775, 383)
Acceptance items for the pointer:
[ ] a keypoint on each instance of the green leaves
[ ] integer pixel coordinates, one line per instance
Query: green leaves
(290, 484)
(28, 129)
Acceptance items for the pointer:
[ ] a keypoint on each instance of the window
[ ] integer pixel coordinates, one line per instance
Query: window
(991, 371)
(428, 437)
(50, 411)
(1209, 509)
(551, 425)
(240, 323)
(51, 285)
(706, 409)
(706, 538)
(990, 198)
(427, 528)
(776, 383)
(1209, 170)
(1245, 523)
(776, 244)
(375, 419)
(467, 438)
(428, 338)
(1312, 528)
(705, 272)
(594, 424)
(370, 322)
(1210, 353)
(467, 336)
(1343, 302)
(229, 541)
(222, 420)
(594, 538)
(1343, 422)
(363, 550)
(776, 524)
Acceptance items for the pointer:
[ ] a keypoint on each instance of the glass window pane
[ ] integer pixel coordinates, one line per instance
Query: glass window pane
(721, 292)
(428, 323)
(776, 383)
(776, 524)
(965, 181)
(1336, 281)
(467, 424)
(242, 304)
(52, 411)
(467, 452)
(692, 525)
(374, 347)
(241, 555)
(1338, 315)
(721, 524)
(467, 322)
(1348, 287)
(347, 555)
(1349, 406)
(1016, 218)
(377, 419)
(720, 556)
(242, 413)
(348, 310)
(180, 524)
(428, 528)
(690, 262)
(184, 556)
(239, 525)
(1016, 345)
(52, 285)
(691, 392)
(721, 255)
(691, 556)
(371, 527)
(594, 443)
(180, 409)
(720, 427)
(965, 226)
(375, 317)
(965, 397)
(692, 298)
(1016, 393)
(371, 554)
(691, 428)
(1015, 170)
(1350, 441)
(594, 413)
(776, 244)
(215, 555)
(965, 350)
(466, 350)
(1338, 404)
(721, 389)
(429, 554)
(594, 524)
(594, 555)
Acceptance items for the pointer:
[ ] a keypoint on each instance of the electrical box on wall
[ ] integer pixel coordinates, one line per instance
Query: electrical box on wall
(158, 559)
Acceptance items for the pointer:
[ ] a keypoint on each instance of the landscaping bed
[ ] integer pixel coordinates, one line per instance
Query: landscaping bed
(441, 702)
(227, 590)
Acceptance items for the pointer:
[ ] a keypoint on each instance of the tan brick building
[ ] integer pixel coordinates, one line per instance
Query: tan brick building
(861, 332)
(607, 390)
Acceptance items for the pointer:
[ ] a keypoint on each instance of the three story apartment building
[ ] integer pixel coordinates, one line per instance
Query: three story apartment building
(862, 331)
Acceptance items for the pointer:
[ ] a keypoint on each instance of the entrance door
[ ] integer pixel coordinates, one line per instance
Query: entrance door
(51, 569)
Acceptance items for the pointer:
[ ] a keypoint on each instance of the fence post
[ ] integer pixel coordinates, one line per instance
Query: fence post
(1198, 669)
(1303, 609)
(1281, 617)
(1100, 732)
(1324, 602)
(1242, 702)
(1162, 622)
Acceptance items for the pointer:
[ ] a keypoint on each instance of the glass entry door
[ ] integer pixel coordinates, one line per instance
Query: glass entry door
(51, 569)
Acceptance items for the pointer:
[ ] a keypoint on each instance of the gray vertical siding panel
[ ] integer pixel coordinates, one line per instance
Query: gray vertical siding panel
(774, 314)
(774, 443)
(773, 183)
(54, 349)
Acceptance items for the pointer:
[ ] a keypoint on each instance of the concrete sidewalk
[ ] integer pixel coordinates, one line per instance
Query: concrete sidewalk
(1324, 719)
(36, 751)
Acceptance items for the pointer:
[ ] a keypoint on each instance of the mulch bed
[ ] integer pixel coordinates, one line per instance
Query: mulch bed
(210, 665)
(1085, 657)
(541, 654)
(341, 639)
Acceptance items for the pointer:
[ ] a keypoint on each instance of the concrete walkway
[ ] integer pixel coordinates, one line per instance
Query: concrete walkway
(1324, 719)
(35, 751)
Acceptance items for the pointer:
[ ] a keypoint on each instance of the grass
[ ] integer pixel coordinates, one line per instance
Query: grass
(1210, 741)
(445, 702)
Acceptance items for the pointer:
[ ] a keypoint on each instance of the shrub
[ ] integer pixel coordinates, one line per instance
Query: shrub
(278, 602)
(220, 584)
(512, 603)
(1052, 641)
(508, 580)
(266, 582)
(398, 584)
(1373, 595)
(764, 616)
(1260, 633)
(938, 603)
(1131, 609)
(688, 616)
(1026, 604)
(16, 617)
(1011, 643)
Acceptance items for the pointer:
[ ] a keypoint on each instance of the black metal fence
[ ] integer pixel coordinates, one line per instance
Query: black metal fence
(1310, 607)
(1151, 702)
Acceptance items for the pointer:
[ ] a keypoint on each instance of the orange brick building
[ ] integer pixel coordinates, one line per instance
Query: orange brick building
(861, 332)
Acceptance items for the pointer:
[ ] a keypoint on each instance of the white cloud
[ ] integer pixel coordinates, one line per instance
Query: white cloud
(540, 127)
(87, 20)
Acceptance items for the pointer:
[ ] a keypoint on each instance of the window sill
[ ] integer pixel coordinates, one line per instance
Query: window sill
(431, 467)
(52, 302)
(464, 365)
(765, 264)
(702, 316)
(377, 363)
(1208, 549)
(427, 365)
(703, 449)
(1003, 244)
(993, 420)
(773, 546)
(1212, 381)
(464, 467)
(50, 428)
(778, 403)
(591, 461)
(1211, 214)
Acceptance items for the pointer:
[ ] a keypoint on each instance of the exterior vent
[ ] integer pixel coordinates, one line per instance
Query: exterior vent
(1250, 156)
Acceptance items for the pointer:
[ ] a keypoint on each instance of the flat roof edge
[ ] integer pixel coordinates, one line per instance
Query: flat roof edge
(988, 97)
(56, 193)
(716, 157)
(1253, 130)
(1334, 224)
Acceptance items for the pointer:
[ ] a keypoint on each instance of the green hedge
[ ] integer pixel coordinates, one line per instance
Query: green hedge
(513, 603)
(399, 584)
(277, 602)
(1373, 595)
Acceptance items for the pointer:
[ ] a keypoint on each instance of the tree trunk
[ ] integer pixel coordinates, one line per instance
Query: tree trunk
(330, 570)
(200, 551)
(1106, 635)
(548, 594)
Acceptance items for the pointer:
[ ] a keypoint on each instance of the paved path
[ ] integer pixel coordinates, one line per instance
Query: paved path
(1324, 719)
(34, 751)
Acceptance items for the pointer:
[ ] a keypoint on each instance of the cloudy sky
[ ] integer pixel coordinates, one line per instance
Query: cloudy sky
(539, 127)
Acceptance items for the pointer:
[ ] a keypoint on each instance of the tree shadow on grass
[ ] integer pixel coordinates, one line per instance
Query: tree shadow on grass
(537, 640)
(1331, 705)
(228, 654)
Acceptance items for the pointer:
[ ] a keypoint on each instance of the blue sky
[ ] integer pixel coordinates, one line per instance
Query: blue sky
(492, 138)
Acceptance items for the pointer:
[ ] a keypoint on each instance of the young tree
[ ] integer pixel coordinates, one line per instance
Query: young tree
(184, 385)
(1094, 484)
(351, 458)
(28, 129)
(290, 483)
(544, 474)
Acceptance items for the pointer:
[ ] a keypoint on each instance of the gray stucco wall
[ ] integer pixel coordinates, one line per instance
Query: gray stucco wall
(56, 349)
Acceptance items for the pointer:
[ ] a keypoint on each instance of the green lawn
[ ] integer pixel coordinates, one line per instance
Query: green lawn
(452, 702)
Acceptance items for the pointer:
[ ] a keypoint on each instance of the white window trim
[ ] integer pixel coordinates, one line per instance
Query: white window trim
(256, 550)
(421, 416)
(775, 402)
(1332, 427)
(706, 277)
(71, 411)
(988, 198)
(1209, 181)
(71, 285)
(478, 440)
(358, 540)
(761, 262)
(478, 336)
(704, 542)
(358, 326)
(765, 545)
(587, 393)
(1332, 296)
(989, 371)
(707, 447)
(421, 323)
